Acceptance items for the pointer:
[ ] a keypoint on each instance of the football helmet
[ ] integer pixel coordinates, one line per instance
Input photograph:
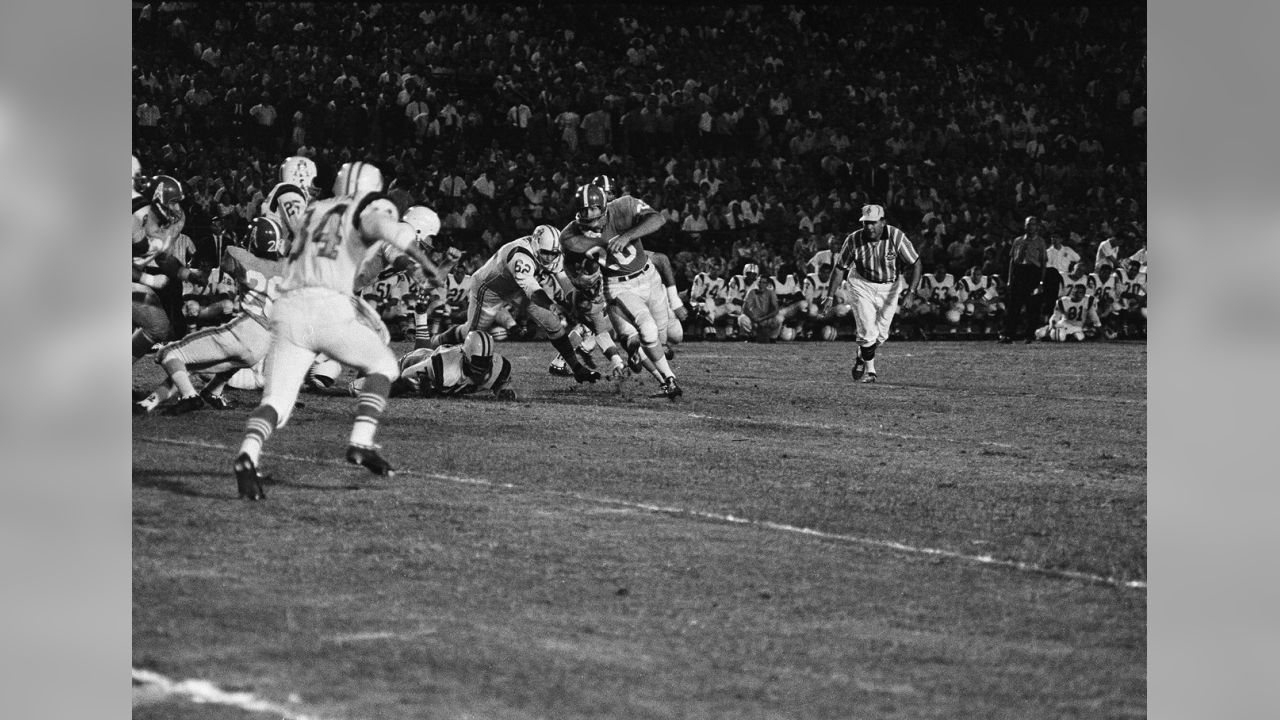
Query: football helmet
(166, 193)
(357, 177)
(300, 171)
(546, 245)
(605, 183)
(267, 238)
(425, 223)
(590, 207)
(477, 354)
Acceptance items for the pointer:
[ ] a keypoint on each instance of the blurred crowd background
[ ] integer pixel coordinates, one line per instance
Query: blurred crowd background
(758, 130)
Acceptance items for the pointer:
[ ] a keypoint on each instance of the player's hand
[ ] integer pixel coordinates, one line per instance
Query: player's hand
(682, 313)
(617, 244)
(191, 308)
(618, 371)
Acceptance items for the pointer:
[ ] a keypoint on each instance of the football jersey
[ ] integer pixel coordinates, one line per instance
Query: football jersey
(620, 214)
(1104, 291)
(704, 287)
(285, 204)
(814, 287)
(331, 247)
(788, 289)
(820, 258)
(458, 289)
(938, 290)
(439, 372)
(736, 290)
(1131, 286)
(258, 280)
(510, 272)
(975, 289)
(1077, 312)
(151, 236)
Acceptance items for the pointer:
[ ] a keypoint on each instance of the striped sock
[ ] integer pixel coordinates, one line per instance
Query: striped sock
(372, 401)
(421, 328)
(262, 422)
(178, 374)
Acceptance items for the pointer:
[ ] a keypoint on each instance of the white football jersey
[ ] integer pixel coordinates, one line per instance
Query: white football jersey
(971, 289)
(331, 247)
(938, 290)
(439, 372)
(814, 287)
(285, 204)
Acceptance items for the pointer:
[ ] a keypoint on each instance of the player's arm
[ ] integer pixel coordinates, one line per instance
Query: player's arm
(380, 225)
(153, 281)
(651, 223)
(522, 268)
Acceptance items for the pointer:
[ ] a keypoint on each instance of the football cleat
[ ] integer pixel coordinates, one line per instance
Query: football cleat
(633, 362)
(248, 481)
(369, 458)
(560, 368)
(671, 389)
(217, 402)
(186, 405)
(870, 378)
(584, 374)
(859, 368)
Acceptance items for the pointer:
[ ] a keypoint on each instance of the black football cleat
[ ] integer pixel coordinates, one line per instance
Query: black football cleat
(859, 368)
(217, 402)
(369, 458)
(633, 362)
(870, 378)
(248, 481)
(585, 374)
(671, 389)
(186, 405)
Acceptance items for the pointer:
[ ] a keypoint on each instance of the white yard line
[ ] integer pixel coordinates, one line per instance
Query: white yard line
(152, 686)
(765, 524)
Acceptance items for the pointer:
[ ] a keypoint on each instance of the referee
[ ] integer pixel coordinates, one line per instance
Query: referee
(869, 260)
(1028, 257)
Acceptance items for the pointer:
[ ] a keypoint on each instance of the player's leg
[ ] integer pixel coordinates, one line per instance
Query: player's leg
(286, 365)
(351, 335)
(866, 330)
(629, 296)
(223, 349)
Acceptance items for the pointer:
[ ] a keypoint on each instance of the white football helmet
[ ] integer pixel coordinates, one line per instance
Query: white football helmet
(357, 177)
(300, 171)
(546, 246)
(425, 223)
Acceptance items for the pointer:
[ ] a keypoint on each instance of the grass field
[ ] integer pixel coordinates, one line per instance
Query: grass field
(964, 539)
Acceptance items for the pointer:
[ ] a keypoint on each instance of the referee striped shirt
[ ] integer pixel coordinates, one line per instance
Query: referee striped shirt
(876, 259)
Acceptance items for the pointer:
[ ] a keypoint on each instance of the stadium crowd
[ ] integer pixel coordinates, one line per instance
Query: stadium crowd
(758, 131)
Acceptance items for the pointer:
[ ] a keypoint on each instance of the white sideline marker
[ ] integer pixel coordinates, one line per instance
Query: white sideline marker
(203, 691)
(766, 524)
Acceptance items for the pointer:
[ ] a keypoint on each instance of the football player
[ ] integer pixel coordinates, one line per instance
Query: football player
(286, 202)
(611, 232)
(239, 344)
(939, 289)
(452, 371)
(703, 291)
(791, 303)
(590, 324)
(975, 293)
(510, 276)
(1075, 317)
(819, 313)
(157, 274)
(316, 312)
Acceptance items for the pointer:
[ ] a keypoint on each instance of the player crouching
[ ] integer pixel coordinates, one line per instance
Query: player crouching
(1075, 317)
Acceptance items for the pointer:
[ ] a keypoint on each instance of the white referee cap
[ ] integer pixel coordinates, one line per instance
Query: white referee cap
(751, 268)
(872, 213)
